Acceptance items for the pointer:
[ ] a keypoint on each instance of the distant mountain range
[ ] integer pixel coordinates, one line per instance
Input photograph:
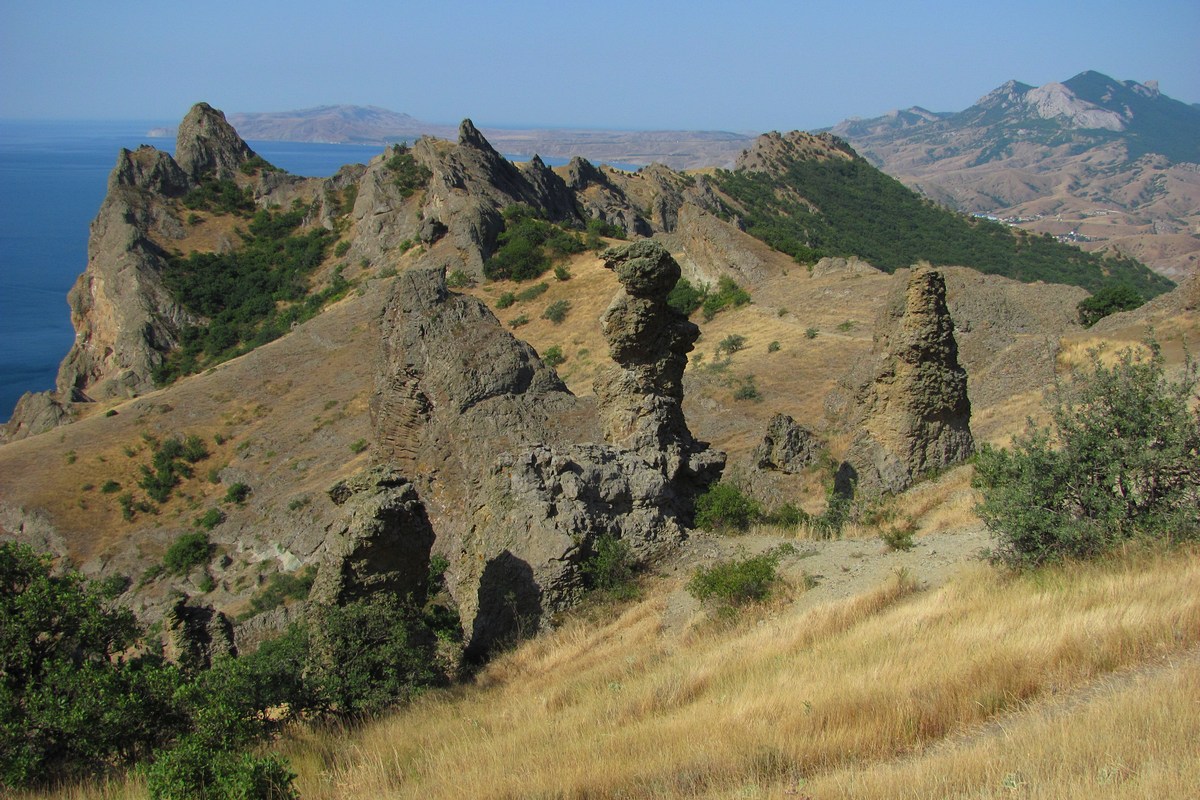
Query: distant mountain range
(344, 124)
(1094, 160)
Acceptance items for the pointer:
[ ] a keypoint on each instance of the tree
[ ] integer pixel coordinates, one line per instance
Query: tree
(71, 702)
(1109, 300)
(1118, 462)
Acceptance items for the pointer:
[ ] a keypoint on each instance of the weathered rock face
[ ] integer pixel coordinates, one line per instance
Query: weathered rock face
(506, 461)
(641, 396)
(125, 320)
(36, 412)
(208, 146)
(196, 634)
(787, 447)
(914, 415)
(383, 544)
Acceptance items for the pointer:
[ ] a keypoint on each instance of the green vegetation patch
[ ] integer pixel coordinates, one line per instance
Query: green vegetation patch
(865, 213)
(528, 245)
(251, 295)
(409, 175)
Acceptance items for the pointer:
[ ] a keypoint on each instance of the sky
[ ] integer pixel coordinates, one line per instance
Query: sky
(748, 66)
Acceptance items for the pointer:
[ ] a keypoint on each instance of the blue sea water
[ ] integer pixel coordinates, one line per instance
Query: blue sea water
(53, 177)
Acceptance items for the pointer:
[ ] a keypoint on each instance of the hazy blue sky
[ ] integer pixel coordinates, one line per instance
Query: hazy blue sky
(754, 65)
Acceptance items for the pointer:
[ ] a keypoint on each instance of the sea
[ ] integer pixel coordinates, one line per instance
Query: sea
(53, 177)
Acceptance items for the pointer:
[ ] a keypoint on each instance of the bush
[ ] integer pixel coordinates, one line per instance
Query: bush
(686, 297)
(189, 551)
(743, 580)
(210, 519)
(110, 487)
(533, 292)
(553, 356)
(787, 515)
(459, 280)
(562, 273)
(610, 568)
(505, 300)
(728, 294)
(731, 344)
(237, 493)
(371, 655)
(283, 586)
(724, 508)
(556, 312)
(194, 771)
(1118, 462)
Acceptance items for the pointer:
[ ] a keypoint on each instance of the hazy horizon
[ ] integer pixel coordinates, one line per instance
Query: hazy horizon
(756, 66)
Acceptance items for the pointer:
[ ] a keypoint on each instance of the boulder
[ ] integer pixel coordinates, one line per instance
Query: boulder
(787, 447)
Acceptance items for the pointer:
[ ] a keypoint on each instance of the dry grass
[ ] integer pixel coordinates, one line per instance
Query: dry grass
(849, 696)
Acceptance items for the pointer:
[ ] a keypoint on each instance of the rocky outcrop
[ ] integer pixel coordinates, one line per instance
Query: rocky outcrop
(36, 412)
(207, 146)
(787, 447)
(194, 635)
(125, 319)
(382, 544)
(913, 415)
(511, 468)
(641, 395)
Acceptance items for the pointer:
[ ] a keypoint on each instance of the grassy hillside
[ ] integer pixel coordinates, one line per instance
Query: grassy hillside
(811, 208)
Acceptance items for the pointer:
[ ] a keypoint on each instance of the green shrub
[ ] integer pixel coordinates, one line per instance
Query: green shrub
(518, 321)
(773, 347)
(810, 333)
(728, 294)
(899, 537)
(731, 344)
(686, 297)
(747, 390)
(193, 771)
(553, 356)
(189, 551)
(743, 580)
(409, 175)
(725, 508)
(341, 249)
(556, 312)
(505, 300)
(459, 280)
(210, 519)
(1119, 462)
(610, 568)
(75, 700)
(787, 515)
(358, 445)
(281, 587)
(237, 493)
(562, 273)
(110, 487)
(533, 292)
(372, 654)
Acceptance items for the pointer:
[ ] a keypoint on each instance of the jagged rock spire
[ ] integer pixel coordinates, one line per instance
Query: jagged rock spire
(917, 416)
(208, 146)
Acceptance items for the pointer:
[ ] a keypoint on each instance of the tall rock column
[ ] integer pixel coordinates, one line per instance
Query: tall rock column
(641, 395)
(915, 414)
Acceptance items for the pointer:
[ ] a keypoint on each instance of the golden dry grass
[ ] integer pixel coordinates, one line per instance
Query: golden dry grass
(845, 699)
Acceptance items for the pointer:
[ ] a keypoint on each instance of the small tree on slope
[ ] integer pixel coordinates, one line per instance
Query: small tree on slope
(1121, 460)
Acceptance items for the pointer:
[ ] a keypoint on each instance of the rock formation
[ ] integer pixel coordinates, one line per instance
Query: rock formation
(913, 414)
(207, 147)
(509, 465)
(787, 447)
(641, 395)
(383, 544)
